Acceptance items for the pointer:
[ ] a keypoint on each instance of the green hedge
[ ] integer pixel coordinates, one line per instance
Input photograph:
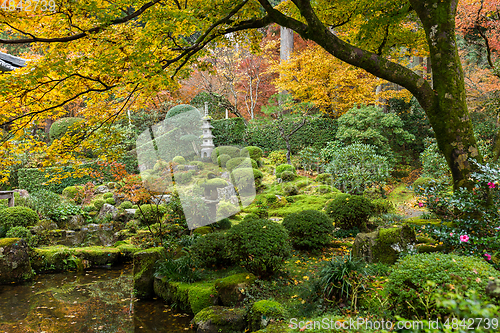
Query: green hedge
(229, 132)
(33, 179)
(315, 133)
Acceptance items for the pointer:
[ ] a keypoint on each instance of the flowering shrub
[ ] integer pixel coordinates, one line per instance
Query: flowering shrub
(475, 228)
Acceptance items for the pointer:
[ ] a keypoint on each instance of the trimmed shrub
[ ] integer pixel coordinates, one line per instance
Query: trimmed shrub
(61, 126)
(261, 246)
(149, 214)
(309, 229)
(251, 216)
(183, 177)
(98, 203)
(241, 162)
(178, 109)
(277, 157)
(110, 201)
(107, 195)
(407, 286)
(255, 153)
(227, 150)
(179, 160)
(284, 167)
(382, 206)
(243, 178)
(73, 192)
(287, 176)
(199, 164)
(222, 160)
(210, 250)
(18, 216)
(325, 178)
(224, 224)
(350, 211)
(126, 205)
(422, 182)
(290, 189)
(19, 232)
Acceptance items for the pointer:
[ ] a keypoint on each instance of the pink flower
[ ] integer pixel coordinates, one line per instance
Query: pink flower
(491, 185)
(420, 204)
(451, 234)
(488, 256)
(464, 238)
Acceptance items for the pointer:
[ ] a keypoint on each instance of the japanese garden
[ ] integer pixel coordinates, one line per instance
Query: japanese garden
(249, 166)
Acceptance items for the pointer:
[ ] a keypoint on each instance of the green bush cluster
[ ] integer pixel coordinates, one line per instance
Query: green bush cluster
(287, 176)
(241, 162)
(107, 195)
(110, 201)
(261, 246)
(18, 216)
(309, 229)
(350, 211)
(61, 127)
(422, 182)
(98, 203)
(74, 193)
(277, 157)
(210, 250)
(325, 178)
(179, 160)
(148, 214)
(222, 160)
(247, 178)
(408, 288)
(234, 152)
(20, 232)
(255, 153)
(284, 167)
(382, 206)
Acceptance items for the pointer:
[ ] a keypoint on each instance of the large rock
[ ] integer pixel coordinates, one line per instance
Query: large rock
(76, 222)
(144, 263)
(106, 210)
(101, 189)
(493, 289)
(384, 245)
(15, 263)
(264, 312)
(215, 319)
(231, 289)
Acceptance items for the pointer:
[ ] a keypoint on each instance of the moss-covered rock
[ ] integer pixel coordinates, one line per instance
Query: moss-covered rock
(231, 289)
(98, 255)
(202, 230)
(15, 263)
(384, 245)
(144, 263)
(263, 312)
(188, 297)
(217, 319)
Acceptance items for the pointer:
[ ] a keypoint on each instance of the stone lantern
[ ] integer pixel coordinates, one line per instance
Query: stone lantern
(207, 145)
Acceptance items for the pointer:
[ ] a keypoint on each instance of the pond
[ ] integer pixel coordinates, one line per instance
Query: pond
(98, 300)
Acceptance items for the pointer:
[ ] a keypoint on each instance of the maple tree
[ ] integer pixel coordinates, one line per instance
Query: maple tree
(127, 51)
(315, 76)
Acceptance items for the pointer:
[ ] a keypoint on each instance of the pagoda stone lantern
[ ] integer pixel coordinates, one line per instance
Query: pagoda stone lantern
(207, 146)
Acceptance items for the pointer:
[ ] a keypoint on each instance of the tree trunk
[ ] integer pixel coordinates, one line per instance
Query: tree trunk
(445, 105)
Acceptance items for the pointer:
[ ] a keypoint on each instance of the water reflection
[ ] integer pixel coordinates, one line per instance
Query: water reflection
(100, 301)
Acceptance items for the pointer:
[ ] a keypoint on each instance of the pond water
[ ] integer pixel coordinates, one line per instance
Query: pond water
(98, 300)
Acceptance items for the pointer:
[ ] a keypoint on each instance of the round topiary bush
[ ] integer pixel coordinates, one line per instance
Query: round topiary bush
(222, 160)
(18, 216)
(110, 201)
(241, 162)
(225, 150)
(74, 193)
(224, 224)
(407, 285)
(382, 206)
(277, 157)
(98, 203)
(179, 109)
(284, 167)
(183, 177)
(199, 164)
(287, 176)
(325, 178)
(126, 205)
(149, 214)
(309, 229)
(290, 189)
(179, 160)
(246, 178)
(61, 127)
(254, 152)
(422, 182)
(261, 246)
(19, 232)
(210, 250)
(107, 195)
(350, 211)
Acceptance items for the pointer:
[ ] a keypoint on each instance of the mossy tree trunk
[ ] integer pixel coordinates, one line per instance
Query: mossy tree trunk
(445, 105)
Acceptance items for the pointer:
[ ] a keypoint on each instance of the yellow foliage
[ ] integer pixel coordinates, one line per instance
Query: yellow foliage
(333, 86)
